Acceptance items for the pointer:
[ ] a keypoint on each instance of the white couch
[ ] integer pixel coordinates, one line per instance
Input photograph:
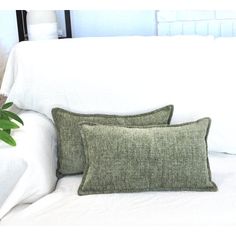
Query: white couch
(123, 75)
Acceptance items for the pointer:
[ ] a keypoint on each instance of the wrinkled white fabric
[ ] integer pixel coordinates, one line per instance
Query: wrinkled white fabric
(36, 151)
(11, 169)
(65, 207)
(127, 75)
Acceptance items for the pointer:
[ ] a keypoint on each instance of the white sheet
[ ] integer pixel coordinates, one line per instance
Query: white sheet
(127, 75)
(65, 207)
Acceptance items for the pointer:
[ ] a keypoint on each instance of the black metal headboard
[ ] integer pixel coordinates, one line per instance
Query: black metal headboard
(22, 26)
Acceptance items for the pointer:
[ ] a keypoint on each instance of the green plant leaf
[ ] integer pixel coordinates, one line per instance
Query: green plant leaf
(7, 105)
(6, 124)
(5, 137)
(3, 116)
(8, 121)
(7, 131)
(13, 116)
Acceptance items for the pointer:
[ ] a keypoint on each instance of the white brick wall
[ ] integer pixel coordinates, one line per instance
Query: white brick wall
(216, 23)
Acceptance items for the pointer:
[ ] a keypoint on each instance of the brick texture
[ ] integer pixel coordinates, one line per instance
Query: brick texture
(216, 23)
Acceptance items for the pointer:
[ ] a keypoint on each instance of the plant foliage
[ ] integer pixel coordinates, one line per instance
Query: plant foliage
(8, 121)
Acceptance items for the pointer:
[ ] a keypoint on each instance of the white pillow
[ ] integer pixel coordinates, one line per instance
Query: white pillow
(35, 166)
(127, 75)
(11, 169)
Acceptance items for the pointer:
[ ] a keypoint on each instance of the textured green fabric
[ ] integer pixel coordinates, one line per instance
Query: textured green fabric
(164, 158)
(70, 149)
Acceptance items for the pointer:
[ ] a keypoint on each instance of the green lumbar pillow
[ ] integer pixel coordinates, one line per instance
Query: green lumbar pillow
(71, 159)
(164, 158)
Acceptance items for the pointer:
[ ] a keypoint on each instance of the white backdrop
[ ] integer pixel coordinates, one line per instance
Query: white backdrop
(8, 36)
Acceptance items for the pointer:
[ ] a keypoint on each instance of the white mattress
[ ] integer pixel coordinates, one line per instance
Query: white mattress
(65, 207)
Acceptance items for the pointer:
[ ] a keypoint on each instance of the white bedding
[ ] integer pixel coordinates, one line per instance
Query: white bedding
(28, 171)
(65, 207)
(130, 75)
